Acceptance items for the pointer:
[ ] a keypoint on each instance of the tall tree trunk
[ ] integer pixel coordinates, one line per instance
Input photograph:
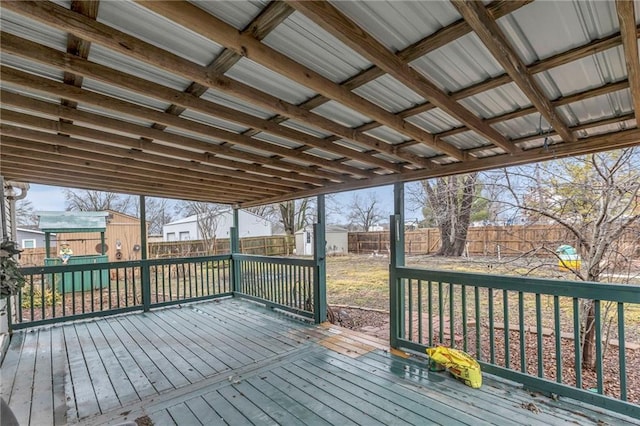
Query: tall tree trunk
(589, 342)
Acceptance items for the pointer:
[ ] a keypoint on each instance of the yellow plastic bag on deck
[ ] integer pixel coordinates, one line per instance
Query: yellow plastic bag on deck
(460, 364)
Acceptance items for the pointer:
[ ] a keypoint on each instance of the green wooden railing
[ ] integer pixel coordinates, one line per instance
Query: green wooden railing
(69, 292)
(523, 329)
(280, 283)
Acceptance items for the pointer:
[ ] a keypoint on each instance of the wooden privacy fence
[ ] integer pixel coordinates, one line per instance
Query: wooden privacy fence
(489, 241)
(277, 245)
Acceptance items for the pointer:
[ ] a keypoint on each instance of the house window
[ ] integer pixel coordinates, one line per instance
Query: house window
(31, 243)
(184, 236)
(171, 236)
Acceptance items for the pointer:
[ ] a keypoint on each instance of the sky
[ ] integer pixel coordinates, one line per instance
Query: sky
(51, 198)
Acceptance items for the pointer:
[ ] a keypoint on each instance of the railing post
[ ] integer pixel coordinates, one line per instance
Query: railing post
(145, 273)
(396, 258)
(235, 249)
(320, 269)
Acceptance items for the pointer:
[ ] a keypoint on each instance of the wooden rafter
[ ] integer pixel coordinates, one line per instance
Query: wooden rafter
(217, 30)
(628, 30)
(614, 140)
(332, 20)
(65, 20)
(494, 39)
(77, 46)
(45, 55)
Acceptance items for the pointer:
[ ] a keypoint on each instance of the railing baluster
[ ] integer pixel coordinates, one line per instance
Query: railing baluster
(452, 317)
(476, 292)
(577, 344)
(430, 311)
(598, 326)
(410, 307)
(419, 284)
(523, 342)
(622, 374)
(558, 336)
(507, 334)
(492, 351)
(440, 314)
(464, 318)
(539, 335)
(63, 295)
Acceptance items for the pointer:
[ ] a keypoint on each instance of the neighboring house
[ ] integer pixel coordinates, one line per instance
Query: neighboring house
(337, 239)
(32, 238)
(250, 225)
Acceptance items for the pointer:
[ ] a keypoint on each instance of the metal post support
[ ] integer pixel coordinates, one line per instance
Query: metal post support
(145, 273)
(234, 234)
(396, 259)
(320, 259)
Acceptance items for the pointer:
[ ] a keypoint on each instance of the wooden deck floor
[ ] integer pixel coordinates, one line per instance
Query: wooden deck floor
(234, 362)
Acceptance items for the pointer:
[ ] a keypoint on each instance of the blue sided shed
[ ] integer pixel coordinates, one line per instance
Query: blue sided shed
(75, 222)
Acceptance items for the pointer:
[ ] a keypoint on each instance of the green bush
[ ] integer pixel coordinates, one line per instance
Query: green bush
(51, 296)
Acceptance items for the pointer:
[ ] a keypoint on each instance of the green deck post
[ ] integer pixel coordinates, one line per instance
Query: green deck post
(320, 269)
(396, 258)
(145, 273)
(234, 234)
(47, 243)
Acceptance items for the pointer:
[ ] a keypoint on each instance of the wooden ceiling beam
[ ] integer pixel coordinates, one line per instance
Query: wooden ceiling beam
(565, 100)
(134, 155)
(147, 133)
(51, 57)
(627, 19)
(347, 31)
(43, 85)
(562, 58)
(105, 165)
(192, 17)
(46, 178)
(25, 120)
(65, 20)
(84, 176)
(593, 144)
(494, 39)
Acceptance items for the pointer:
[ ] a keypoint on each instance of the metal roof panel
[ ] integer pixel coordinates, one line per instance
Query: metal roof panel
(390, 94)
(236, 13)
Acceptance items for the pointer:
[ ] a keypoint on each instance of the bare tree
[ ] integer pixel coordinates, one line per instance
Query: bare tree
(158, 211)
(293, 215)
(208, 219)
(25, 215)
(364, 212)
(85, 200)
(596, 198)
(449, 201)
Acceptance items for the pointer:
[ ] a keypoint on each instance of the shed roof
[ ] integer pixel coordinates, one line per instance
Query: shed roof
(72, 221)
(251, 102)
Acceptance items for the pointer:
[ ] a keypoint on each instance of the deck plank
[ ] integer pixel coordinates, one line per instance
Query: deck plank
(270, 407)
(201, 344)
(175, 377)
(194, 368)
(42, 397)
(21, 394)
(182, 415)
(118, 376)
(162, 418)
(98, 372)
(59, 370)
(82, 391)
(230, 414)
(323, 392)
(137, 378)
(10, 366)
(204, 412)
(241, 403)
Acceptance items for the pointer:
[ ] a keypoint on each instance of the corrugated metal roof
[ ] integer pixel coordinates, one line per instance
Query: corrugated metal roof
(397, 24)
(262, 78)
(390, 94)
(236, 13)
(305, 42)
(31, 30)
(138, 21)
(233, 102)
(341, 114)
(124, 94)
(213, 121)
